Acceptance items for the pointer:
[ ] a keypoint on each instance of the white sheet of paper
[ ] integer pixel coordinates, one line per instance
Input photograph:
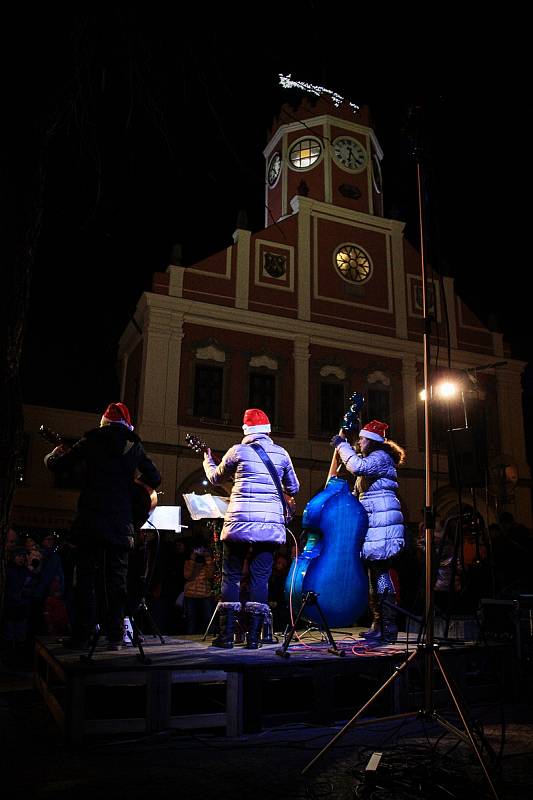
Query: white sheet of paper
(206, 506)
(165, 518)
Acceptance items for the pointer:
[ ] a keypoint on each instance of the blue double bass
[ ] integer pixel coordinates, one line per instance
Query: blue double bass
(330, 564)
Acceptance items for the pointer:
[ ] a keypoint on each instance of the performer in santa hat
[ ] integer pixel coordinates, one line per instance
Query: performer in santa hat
(374, 462)
(254, 523)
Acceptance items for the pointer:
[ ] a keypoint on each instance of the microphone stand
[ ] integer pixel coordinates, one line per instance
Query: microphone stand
(427, 650)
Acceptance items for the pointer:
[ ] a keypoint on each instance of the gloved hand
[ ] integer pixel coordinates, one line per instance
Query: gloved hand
(337, 440)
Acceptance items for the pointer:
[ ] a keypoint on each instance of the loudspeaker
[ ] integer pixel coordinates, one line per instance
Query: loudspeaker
(467, 458)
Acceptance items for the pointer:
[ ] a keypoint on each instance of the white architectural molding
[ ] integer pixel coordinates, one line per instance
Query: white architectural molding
(175, 284)
(264, 361)
(243, 269)
(398, 282)
(378, 377)
(158, 402)
(301, 387)
(304, 260)
(337, 372)
(410, 405)
(210, 353)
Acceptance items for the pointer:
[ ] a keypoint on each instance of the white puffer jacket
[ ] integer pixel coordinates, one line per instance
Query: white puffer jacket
(385, 536)
(255, 513)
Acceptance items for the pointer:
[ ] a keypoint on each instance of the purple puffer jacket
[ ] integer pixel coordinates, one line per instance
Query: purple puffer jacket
(255, 513)
(385, 536)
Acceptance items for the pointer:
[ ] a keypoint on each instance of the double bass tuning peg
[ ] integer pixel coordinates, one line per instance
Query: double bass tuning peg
(351, 421)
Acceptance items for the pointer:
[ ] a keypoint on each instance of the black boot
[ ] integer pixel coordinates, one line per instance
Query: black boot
(389, 633)
(255, 614)
(226, 625)
(267, 628)
(374, 632)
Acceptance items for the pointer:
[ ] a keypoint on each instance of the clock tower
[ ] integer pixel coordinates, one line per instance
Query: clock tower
(325, 153)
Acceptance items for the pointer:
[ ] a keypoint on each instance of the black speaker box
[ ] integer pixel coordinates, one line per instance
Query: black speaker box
(467, 458)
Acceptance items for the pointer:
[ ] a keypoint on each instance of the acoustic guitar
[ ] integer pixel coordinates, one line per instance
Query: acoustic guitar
(143, 497)
(198, 446)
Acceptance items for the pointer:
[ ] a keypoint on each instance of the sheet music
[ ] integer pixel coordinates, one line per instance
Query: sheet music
(206, 506)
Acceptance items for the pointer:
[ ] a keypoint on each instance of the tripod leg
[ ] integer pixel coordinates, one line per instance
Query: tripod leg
(282, 651)
(465, 724)
(397, 672)
(333, 645)
(137, 640)
(142, 608)
(92, 645)
(215, 612)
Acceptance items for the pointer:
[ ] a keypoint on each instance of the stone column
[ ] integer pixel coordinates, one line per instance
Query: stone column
(301, 387)
(410, 409)
(162, 337)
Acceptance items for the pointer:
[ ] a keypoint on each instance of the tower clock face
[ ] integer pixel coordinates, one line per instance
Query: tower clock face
(350, 153)
(274, 169)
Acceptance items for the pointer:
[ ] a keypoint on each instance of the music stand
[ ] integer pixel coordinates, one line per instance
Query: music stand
(161, 518)
(166, 518)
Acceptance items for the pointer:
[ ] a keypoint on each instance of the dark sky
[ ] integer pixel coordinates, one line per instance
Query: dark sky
(150, 131)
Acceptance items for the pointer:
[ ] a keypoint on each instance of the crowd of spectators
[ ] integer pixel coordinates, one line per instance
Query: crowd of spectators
(175, 576)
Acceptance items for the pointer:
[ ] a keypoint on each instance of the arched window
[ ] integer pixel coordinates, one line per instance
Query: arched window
(209, 370)
(262, 385)
(332, 398)
(377, 400)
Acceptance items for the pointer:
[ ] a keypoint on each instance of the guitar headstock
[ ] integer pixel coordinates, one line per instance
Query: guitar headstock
(195, 443)
(351, 420)
(50, 435)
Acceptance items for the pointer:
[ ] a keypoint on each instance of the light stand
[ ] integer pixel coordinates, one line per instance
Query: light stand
(427, 650)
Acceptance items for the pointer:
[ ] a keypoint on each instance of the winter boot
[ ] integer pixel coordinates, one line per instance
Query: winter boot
(226, 625)
(389, 633)
(267, 629)
(374, 632)
(255, 613)
(239, 636)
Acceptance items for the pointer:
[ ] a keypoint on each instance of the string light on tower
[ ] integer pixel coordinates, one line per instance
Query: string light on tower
(288, 83)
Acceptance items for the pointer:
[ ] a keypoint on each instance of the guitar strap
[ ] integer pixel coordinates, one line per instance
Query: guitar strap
(273, 474)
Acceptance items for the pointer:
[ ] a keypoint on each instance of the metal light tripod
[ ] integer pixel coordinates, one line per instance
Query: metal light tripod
(427, 650)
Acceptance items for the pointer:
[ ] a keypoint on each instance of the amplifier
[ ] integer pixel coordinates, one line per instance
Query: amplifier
(500, 619)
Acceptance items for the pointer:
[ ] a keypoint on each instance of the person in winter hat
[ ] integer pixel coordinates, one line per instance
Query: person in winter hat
(113, 457)
(254, 524)
(374, 462)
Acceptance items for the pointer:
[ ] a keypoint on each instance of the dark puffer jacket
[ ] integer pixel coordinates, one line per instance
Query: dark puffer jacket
(255, 513)
(112, 456)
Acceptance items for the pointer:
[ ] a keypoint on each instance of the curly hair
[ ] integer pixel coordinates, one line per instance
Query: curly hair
(396, 452)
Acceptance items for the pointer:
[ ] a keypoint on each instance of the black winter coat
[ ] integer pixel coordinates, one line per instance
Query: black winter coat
(112, 457)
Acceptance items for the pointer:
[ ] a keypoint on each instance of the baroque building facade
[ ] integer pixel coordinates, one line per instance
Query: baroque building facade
(324, 301)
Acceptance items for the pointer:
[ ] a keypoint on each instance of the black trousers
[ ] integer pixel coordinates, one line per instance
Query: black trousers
(101, 588)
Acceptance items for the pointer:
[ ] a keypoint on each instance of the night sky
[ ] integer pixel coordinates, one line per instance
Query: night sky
(149, 132)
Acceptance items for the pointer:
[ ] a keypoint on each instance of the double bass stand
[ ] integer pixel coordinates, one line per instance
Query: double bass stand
(310, 599)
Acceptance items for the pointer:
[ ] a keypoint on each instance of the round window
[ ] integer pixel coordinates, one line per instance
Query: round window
(353, 263)
(305, 153)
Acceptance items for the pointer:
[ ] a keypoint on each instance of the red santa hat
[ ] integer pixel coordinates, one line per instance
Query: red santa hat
(116, 413)
(255, 421)
(374, 430)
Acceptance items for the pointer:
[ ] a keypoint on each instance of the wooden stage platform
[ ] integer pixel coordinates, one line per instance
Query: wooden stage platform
(189, 685)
